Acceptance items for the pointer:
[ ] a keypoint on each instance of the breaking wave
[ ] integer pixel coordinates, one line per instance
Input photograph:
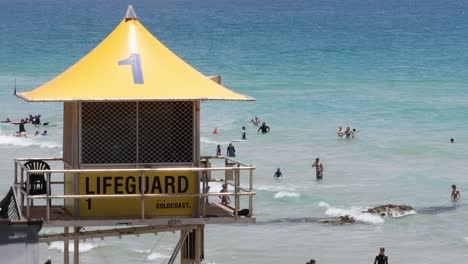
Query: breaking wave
(213, 142)
(154, 256)
(26, 142)
(59, 245)
(284, 194)
(356, 212)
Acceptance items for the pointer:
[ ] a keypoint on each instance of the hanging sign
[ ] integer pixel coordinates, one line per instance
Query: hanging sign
(121, 183)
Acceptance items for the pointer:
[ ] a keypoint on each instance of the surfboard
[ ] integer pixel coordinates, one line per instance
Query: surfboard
(238, 140)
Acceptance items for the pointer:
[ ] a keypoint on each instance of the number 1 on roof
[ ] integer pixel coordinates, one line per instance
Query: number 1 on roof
(134, 60)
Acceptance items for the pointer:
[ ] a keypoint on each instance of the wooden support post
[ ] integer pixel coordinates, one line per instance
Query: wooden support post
(66, 243)
(198, 245)
(76, 248)
(192, 250)
(236, 190)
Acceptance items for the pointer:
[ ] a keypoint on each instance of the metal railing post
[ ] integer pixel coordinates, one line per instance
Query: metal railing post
(250, 190)
(16, 173)
(21, 187)
(236, 190)
(142, 191)
(48, 201)
(28, 201)
(205, 188)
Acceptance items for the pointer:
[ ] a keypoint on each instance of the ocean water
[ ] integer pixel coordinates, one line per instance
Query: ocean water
(397, 70)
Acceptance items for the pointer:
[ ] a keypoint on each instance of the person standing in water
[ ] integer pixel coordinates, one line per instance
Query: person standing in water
(244, 137)
(231, 151)
(348, 132)
(452, 140)
(455, 193)
(22, 130)
(381, 258)
(340, 132)
(21, 126)
(318, 169)
(278, 174)
(218, 150)
(264, 128)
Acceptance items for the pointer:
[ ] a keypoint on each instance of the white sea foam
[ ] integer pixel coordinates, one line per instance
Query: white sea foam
(356, 212)
(144, 251)
(26, 142)
(396, 214)
(155, 255)
(59, 245)
(274, 188)
(213, 142)
(284, 194)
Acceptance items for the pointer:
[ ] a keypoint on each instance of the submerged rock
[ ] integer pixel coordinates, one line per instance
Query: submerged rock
(339, 220)
(390, 210)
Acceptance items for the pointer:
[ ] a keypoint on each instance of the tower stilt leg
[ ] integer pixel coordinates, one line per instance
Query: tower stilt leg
(76, 248)
(66, 242)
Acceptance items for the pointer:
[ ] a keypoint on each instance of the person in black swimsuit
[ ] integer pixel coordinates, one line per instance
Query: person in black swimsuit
(381, 258)
(244, 137)
(348, 132)
(264, 128)
(278, 174)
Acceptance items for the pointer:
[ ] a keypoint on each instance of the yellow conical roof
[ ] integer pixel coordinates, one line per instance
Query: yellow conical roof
(131, 65)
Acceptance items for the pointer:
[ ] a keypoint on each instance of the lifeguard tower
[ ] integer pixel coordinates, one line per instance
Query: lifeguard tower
(131, 159)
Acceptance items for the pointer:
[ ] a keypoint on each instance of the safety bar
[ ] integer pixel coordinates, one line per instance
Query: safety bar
(22, 184)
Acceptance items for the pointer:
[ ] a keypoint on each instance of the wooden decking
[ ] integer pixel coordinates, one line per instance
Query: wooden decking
(59, 217)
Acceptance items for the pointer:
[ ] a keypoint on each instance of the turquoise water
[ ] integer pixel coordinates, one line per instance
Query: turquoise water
(395, 70)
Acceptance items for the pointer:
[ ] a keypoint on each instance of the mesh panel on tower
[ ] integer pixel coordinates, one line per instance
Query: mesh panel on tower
(165, 132)
(108, 132)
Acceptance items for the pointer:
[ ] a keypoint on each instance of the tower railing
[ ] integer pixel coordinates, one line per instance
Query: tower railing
(234, 172)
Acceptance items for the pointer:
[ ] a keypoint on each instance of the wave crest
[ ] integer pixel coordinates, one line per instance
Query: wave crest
(83, 247)
(26, 142)
(283, 194)
(355, 212)
(154, 256)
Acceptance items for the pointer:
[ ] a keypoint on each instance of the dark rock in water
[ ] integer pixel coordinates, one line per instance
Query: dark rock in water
(390, 210)
(339, 220)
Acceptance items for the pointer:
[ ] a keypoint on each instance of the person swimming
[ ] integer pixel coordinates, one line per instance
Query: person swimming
(244, 137)
(278, 174)
(231, 151)
(264, 128)
(455, 193)
(44, 133)
(348, 132)
(255, 121)
(318, 169)
(215, 131)
(340, 132)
